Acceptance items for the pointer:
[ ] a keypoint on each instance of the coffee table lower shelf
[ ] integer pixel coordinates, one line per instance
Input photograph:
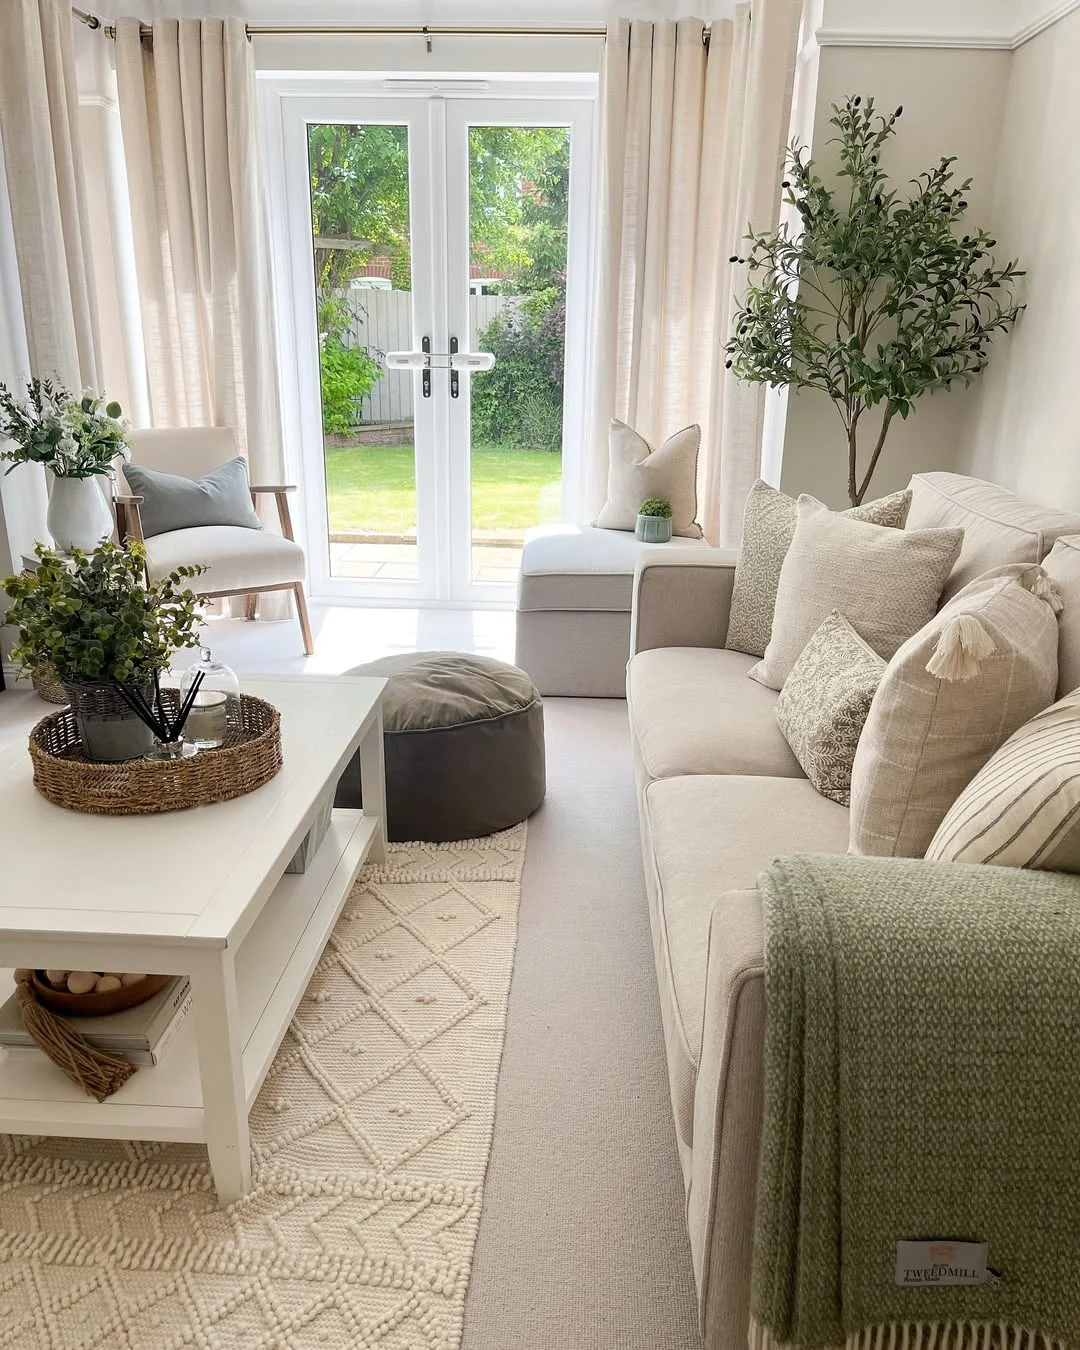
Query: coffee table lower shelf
(273, 966)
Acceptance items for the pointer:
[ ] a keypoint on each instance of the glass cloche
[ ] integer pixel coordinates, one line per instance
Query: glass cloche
(216, 710)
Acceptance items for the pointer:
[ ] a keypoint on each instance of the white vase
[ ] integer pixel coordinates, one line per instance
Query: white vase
(78, 514)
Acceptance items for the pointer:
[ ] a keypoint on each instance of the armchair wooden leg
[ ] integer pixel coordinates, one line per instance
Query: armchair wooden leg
(302, 615)
(251, 601)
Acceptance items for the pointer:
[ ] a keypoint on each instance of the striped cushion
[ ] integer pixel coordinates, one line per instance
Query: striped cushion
(1022, 809)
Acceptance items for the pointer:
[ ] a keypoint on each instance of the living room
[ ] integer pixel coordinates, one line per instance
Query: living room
(539, 564)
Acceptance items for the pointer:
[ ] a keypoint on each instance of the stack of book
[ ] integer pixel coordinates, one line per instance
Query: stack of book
(140, 1035)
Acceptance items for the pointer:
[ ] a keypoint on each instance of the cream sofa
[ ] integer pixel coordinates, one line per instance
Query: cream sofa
(720, 796)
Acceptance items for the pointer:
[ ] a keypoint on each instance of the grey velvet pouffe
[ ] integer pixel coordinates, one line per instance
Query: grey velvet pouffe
(464, 746)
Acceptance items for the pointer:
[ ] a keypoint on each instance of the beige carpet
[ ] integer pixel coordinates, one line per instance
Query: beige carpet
(583, 1242)
(370, 1140)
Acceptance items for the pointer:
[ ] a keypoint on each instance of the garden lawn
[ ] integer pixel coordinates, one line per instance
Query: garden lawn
(372, 488)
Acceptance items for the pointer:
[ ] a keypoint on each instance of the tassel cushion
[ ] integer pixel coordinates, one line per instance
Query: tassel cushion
(949, 699)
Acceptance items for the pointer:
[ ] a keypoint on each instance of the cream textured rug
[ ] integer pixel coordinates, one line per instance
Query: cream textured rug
(370, 1144)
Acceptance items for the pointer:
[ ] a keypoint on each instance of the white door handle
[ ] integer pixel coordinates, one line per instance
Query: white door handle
(472, 360)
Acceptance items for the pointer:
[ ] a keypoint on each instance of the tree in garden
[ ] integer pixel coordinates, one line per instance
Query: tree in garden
(874, 298)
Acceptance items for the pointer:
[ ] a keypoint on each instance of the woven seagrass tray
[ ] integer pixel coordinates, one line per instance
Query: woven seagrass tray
(249, 758)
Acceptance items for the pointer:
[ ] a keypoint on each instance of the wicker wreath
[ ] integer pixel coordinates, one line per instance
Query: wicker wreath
(249, 758)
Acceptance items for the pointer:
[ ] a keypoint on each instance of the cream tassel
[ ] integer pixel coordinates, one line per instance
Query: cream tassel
(1045, 588)
(963, 643)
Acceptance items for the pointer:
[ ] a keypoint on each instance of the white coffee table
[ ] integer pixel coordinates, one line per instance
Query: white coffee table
(201, 893)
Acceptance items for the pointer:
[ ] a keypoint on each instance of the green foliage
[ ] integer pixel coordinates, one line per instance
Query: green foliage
(873, 298)
(655, 506)
(97, 617)
(519, 402)
(347, 373)
(73, 437)
(519, 190)
(359, 193)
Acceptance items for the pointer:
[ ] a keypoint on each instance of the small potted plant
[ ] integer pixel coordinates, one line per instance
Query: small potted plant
(77, 440)
(103, 630)
(654, 521)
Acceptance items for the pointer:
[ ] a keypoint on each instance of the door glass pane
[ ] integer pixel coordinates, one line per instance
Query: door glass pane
(363, 284)
(519, 180)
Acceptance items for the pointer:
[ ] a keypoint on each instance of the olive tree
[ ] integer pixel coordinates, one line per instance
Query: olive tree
(873, 295)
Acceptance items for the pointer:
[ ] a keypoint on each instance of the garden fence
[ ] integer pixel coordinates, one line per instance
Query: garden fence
(381, 321)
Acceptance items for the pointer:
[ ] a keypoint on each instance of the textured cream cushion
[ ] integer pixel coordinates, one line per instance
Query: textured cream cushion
(637, 471)
(886, 582)
(236, 559)
(1022, 809)
(926, 738)
(998, 526)
(824, 702)
(1062, 566)
(769, 521)
(692, 710)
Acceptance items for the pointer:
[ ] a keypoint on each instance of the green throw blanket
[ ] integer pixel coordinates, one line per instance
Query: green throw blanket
(922, 1082)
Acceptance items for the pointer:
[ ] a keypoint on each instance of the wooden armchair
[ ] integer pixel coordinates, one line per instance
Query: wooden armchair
(239, 561)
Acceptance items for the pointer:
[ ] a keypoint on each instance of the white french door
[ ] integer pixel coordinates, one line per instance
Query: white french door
(432, 226)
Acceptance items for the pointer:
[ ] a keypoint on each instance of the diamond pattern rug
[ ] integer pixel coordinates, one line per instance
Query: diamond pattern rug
(370, 1141)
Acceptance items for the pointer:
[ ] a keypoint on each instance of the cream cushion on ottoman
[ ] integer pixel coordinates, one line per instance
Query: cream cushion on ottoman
(573, 609)
(464, 746)
(949, 698)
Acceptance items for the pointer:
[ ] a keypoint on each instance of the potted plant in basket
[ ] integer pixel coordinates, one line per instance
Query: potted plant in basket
(653, 521)
(107, 633)
(77, 440)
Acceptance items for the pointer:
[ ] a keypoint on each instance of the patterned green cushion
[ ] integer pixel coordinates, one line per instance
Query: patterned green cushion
(825, 701)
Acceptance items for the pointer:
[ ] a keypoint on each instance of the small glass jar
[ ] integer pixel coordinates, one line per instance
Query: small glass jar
(215, 712)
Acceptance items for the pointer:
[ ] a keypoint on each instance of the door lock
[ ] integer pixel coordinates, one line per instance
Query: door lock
(425, 360)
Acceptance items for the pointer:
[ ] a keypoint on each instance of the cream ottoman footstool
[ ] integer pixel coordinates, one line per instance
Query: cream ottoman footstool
(573, 610)
(464, 746)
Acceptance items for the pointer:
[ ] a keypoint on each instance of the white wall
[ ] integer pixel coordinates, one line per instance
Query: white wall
(953, 103)
(1022, 427)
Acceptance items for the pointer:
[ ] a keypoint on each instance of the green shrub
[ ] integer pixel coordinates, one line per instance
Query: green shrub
(348, 375)
(519, 402)
(655, 506)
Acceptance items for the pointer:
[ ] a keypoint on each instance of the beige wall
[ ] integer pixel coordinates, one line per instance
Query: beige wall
(1022, 427)
(953, 104)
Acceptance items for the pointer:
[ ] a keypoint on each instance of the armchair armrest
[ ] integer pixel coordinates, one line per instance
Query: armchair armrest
(277, 487)
(128, 519)
(682, 598)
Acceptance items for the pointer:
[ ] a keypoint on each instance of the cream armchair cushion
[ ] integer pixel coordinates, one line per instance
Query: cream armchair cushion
(236, 559)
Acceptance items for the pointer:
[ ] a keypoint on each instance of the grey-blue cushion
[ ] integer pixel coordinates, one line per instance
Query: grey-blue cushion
(170, 502)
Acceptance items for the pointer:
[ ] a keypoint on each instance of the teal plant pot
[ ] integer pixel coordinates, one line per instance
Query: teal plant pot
(653, 529)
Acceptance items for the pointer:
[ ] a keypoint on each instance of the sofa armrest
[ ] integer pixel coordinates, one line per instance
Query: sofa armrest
(682, 598)
(728, 1110)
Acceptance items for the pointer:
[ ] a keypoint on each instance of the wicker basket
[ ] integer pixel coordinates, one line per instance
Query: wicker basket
(247, 760)
(49, 688)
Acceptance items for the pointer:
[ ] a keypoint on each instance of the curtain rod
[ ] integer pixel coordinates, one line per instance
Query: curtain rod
(427, 31)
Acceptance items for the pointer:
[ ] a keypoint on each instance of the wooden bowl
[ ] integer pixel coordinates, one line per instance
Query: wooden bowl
(94, 1004)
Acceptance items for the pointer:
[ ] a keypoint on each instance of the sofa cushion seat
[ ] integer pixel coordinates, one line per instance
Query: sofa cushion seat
(693, 710)
(712, 834)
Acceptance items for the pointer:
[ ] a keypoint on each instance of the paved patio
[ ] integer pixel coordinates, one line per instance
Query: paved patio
(397, 562)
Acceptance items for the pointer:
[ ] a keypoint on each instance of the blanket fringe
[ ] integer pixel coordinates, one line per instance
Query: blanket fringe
(922, 1336)
(963, 643)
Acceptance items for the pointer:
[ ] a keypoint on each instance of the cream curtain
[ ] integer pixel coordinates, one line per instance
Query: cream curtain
(188, 117)
(692, 142)
(189, 122)
(39, 124)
